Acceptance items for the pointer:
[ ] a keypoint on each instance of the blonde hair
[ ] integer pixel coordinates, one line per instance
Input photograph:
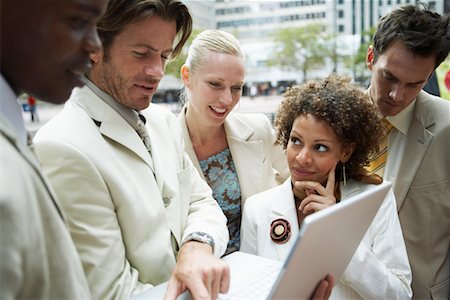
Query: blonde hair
(209, 41)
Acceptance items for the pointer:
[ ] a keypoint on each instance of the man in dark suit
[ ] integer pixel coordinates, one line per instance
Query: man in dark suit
(45, 48)
(409, 44)
(432, 86)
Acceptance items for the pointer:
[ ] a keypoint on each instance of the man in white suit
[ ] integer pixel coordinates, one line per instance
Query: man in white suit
(138, 215)
(409, 44)
(40, 46)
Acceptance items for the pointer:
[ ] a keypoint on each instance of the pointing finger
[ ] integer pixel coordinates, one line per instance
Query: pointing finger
(331, 180)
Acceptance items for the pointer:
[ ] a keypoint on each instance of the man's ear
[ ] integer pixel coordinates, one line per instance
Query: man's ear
(370, 57)
(184, 72)
(96, 56)
(347, 153)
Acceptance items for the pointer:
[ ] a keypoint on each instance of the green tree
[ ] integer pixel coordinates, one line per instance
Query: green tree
(174, 65)
(357, 62)
(301, 48)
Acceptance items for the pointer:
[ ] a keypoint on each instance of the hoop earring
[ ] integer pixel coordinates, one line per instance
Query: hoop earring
(344, 174)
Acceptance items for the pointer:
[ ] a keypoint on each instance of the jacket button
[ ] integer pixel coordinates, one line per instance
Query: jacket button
(166, 201)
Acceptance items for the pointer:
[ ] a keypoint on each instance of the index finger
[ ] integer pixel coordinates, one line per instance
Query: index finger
(331, 180)
(225, 280)
(174, 289)
(198, 288)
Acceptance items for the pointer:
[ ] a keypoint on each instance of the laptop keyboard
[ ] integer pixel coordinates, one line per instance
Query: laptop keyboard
(259, 287)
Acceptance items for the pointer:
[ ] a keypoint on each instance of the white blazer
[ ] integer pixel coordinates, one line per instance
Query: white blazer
(126, 225)
(37, 257)
(259, 164)
(378, 270)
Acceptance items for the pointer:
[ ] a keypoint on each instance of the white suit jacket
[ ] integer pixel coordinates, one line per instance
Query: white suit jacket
(259, 164)
(378, 270)
(38, 259)
(126, 225)
(422, 189)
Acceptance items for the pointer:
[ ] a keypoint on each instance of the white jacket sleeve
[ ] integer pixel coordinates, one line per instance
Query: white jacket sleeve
(248, 229)
(205, 214)
(380, 267)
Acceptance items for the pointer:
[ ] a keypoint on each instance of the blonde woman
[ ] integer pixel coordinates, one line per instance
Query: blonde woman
(233, 152)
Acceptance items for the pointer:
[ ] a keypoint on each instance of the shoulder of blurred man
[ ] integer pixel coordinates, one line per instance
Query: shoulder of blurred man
(39, 259)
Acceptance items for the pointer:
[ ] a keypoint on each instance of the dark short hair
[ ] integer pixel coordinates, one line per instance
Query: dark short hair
(343, 106)
(120, 13)
(421, 30)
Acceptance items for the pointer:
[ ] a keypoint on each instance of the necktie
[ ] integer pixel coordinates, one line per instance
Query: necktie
(143, 133)
(378, 162)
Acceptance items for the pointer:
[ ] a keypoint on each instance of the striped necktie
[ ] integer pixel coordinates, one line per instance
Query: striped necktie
(143, 133)
(378, 162)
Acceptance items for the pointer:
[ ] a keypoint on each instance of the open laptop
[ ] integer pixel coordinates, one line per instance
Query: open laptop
(326, 243)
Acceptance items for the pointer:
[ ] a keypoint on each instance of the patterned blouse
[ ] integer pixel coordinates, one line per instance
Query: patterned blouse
(221, 176)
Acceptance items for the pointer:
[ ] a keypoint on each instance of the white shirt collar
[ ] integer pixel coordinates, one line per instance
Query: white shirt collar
(130, 115)
(402, 120)
(11, 110)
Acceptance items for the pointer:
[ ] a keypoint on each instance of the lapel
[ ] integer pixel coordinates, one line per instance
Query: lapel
(30, 157)
(246, 154)
(112, 125)
(165, 167)
(417, 142)
(283, 207)
(188, 147)
(116, 128)
(157, 139)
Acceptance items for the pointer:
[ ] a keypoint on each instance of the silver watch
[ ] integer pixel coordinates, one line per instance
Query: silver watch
(201, 237)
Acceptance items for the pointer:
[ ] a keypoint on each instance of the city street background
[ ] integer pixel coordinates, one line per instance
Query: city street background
(261, 104)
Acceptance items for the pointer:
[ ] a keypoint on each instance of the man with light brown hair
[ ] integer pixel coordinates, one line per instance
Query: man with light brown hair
(139, 213)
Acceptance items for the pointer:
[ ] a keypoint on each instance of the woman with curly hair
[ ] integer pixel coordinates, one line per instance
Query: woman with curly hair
(329, 129)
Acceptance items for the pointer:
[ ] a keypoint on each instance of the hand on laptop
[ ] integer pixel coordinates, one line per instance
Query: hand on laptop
(317, 197)
(323, 289)
(199, 271)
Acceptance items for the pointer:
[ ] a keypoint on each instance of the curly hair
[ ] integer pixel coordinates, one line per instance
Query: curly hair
(344, 107)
